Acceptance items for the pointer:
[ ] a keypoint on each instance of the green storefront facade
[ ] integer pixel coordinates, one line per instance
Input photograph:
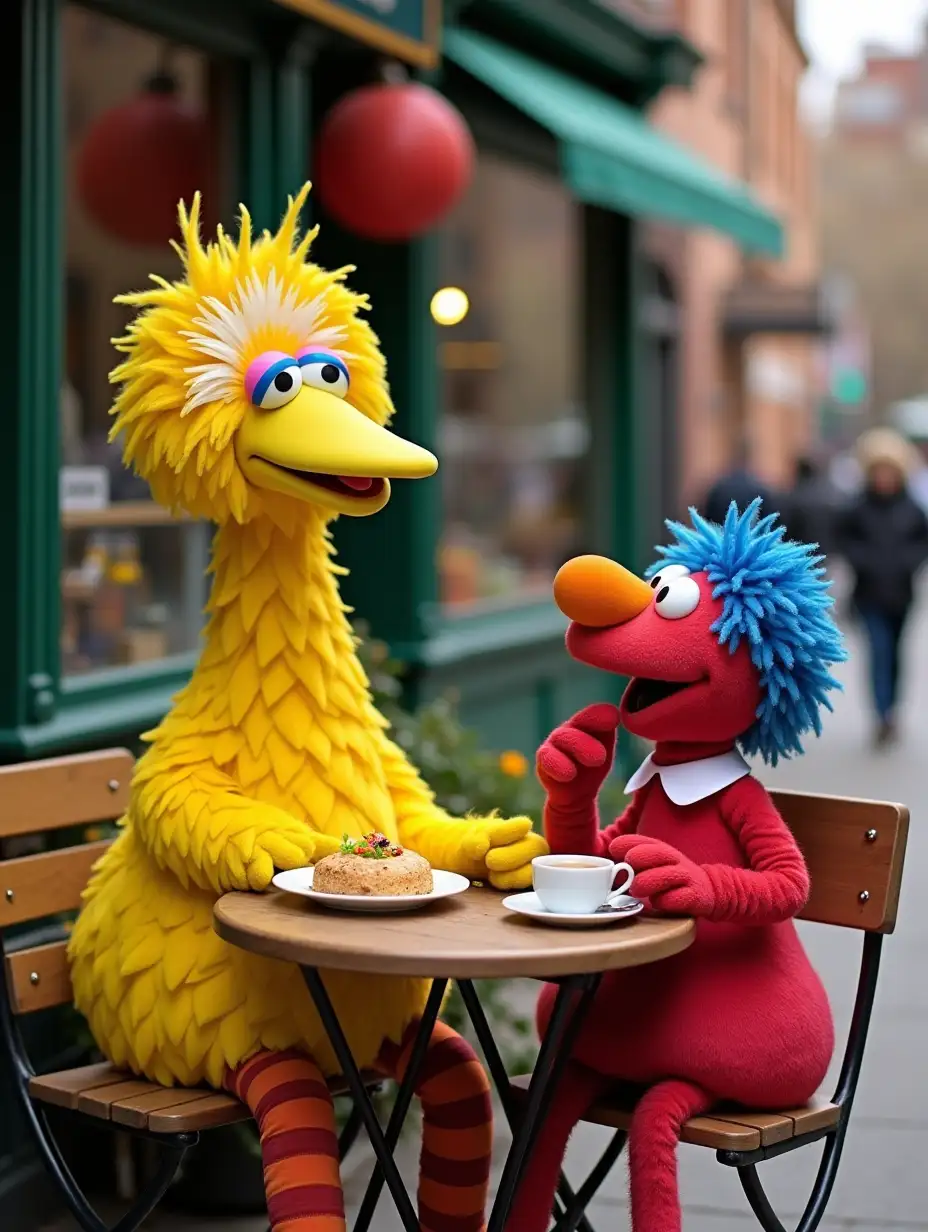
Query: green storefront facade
(553, 91)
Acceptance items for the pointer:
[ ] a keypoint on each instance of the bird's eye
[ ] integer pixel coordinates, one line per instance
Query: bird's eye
(676, 597)
(323, 370)
(667, 574)
(272, 380)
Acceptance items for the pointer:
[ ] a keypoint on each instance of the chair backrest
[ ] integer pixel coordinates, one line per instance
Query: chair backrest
(37, 797)
(855, 850)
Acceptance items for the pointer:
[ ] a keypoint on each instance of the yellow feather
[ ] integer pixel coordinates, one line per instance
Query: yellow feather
(271, 636)
(244, 686)
(141, 953)
(275, 682)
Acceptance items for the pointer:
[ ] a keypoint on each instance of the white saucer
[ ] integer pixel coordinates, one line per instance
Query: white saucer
(529, 904)
(300, 881)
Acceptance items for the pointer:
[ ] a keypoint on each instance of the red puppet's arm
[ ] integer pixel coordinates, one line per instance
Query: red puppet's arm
(773, 887)
(572, 765)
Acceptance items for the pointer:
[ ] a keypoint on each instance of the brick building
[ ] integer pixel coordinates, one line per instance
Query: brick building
(748, 328)
(887, 102)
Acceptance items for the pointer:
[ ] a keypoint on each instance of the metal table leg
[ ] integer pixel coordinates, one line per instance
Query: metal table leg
(362, 1100)
(574, 997)
(403, 1099)
(501, 1083)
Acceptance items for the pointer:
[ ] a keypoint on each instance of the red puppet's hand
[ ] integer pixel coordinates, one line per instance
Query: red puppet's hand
(576, 758)
(667, 878)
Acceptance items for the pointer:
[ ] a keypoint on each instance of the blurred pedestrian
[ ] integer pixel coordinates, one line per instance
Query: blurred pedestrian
(739, 484)
(883, 534)
(811, 508)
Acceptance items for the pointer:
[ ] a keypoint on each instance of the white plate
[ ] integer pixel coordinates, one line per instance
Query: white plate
(300, 881)
(529, 904)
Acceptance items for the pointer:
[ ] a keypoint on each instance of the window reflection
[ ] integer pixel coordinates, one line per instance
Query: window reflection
(514, 434)
(147, 123)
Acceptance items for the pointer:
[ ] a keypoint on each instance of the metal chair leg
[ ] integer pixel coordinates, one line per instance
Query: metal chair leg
(158, 1186)
(821, 1191)
(350, 1130)
(174, 1149)
(574, 1216)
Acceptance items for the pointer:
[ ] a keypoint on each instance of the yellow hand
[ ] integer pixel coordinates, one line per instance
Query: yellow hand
(506, 849)
(286, 843)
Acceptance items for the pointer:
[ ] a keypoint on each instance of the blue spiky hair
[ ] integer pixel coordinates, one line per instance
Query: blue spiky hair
(776, 597)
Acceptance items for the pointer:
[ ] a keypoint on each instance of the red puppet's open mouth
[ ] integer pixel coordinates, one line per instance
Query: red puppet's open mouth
(643, 692)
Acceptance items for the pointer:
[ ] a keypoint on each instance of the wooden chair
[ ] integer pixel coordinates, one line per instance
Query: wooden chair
(36, 798)
(855, 851)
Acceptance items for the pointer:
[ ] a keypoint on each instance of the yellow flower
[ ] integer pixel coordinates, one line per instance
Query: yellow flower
(513, 764)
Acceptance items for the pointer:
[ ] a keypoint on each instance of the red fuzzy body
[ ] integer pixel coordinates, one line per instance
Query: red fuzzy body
(739, 1017)
(728, 1012)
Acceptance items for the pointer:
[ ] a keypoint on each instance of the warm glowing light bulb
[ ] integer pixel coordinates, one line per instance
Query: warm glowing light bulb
(449, 306)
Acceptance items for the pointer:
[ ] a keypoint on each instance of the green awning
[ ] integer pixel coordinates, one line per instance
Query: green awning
(610, 154)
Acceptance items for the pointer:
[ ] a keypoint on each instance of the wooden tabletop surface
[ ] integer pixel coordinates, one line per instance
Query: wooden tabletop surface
(471, 936)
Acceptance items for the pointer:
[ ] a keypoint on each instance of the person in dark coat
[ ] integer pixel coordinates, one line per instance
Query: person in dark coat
(883, 534)
(740, 485)
(811, 507)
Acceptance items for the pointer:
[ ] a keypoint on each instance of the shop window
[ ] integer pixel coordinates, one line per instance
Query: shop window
(514, 435)
(133, 584)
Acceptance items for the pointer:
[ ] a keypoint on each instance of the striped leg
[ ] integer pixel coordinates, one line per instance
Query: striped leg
(296, 1121)
(457, 1132)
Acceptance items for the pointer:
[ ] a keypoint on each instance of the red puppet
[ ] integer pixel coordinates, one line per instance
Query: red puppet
(728, 650)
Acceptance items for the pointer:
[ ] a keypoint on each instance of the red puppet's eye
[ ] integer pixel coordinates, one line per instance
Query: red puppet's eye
(676, 597)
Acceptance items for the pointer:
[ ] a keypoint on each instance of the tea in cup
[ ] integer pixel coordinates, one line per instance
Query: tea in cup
(578, 885)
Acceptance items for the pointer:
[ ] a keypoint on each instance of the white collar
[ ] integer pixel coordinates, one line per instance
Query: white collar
(690, 781)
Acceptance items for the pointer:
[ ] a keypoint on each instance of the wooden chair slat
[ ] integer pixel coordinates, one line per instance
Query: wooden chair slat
(40, 885)
(134, 1111)
(818, 1114)
(855, 878)
(206, 1113)
(62, 1089)
(64, 791)
(772, 1126)
(733, 1130)
(39, 977)
(99, 1102)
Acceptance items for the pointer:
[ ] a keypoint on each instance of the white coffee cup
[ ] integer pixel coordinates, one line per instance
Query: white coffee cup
(578, 885)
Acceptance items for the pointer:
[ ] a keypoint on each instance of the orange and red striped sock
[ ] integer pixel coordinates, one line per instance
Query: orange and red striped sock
(457, 1132)
(289, 1099)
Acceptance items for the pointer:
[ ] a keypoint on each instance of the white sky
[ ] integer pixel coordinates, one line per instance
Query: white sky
(834, 32)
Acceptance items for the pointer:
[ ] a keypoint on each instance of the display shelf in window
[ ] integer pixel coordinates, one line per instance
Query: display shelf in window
(514, 436)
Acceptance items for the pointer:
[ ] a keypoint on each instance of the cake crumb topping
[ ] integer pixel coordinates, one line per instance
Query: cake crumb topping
(373, 846)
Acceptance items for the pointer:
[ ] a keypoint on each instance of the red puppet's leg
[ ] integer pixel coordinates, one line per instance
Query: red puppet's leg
(457, 1128)
(296, 1121)
(577, 1091)
(652, 1153)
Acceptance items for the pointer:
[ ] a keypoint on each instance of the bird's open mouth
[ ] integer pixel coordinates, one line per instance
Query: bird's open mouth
(643, 693)
(359, 487)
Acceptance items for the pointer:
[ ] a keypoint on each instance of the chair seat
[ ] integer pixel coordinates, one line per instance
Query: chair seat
(724, 1130)
(115, 1095)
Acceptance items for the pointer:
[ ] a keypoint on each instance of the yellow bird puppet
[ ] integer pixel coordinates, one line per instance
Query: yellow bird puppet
(253, 393)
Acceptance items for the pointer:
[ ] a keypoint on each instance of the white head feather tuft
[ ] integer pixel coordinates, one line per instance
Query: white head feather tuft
(224, 331)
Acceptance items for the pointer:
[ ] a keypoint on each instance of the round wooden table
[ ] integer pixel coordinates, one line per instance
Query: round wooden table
(465, 938)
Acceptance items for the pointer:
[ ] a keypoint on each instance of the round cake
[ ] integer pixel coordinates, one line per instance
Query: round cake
(372, 865)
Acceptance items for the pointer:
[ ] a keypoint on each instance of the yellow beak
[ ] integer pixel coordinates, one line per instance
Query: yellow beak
(597, 592)
(309, 447)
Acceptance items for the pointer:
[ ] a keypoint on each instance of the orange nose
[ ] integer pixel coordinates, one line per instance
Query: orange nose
(598, 592)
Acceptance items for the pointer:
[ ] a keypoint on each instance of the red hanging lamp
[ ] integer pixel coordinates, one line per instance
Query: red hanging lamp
(392, 159)
(140, 158)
